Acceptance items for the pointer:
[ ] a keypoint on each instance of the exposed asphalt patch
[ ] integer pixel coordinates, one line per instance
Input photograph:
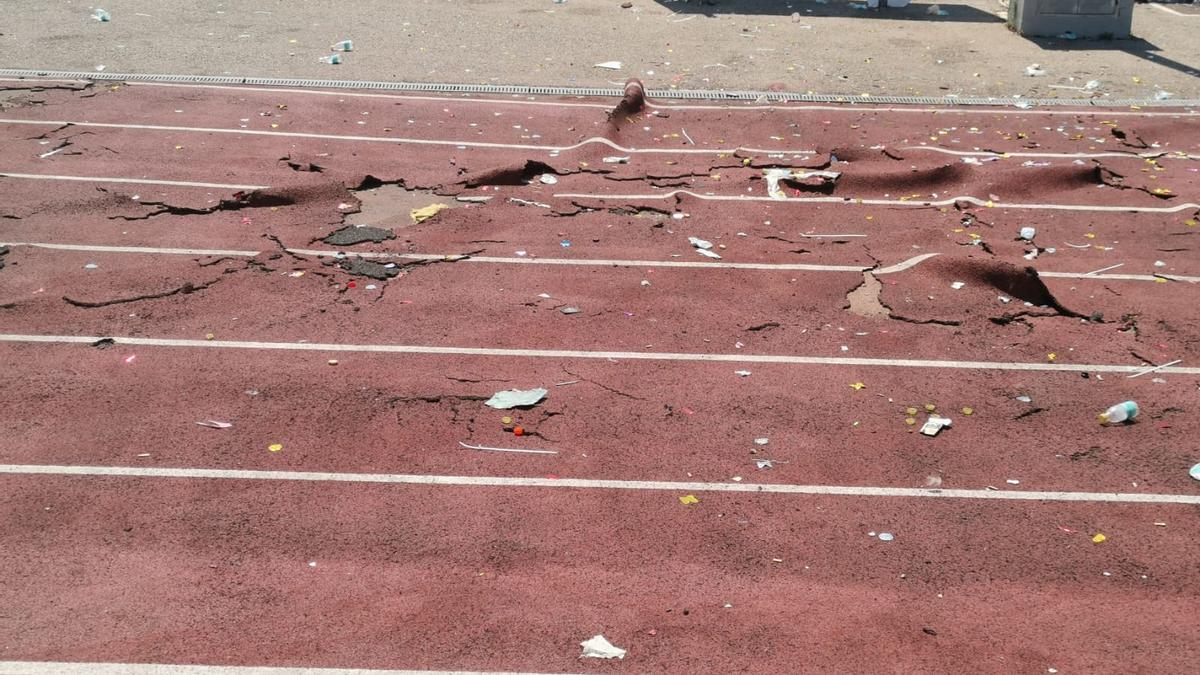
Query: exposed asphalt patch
(355, 234)
(366, 268)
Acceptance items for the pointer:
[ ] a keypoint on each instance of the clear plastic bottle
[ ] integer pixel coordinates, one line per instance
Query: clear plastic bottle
(1121, 412)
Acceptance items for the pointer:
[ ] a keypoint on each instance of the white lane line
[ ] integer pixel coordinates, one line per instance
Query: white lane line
(668, 195)
(1058, 155)
(783, 359)
(398, 140)
(851, 106)
(594, 484)
(83, 668)
(132, 181)
(133, 249)
(581, 262)
(1169, 10)
(1115, 277)
(855, 201)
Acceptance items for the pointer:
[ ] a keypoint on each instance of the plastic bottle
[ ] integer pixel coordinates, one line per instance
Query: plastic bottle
(343, 46)
(1121, 412)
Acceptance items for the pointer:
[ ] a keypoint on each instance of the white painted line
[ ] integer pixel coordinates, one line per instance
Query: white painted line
(783, 359)
(855, 201)
(1052, 155)
(398, 140)
(132, 181)
(133, 249)
(856, 106)
(1113, 277)
(77, 668)
(593, 484)
(1168, 10)
(581, 262)
(586, 262)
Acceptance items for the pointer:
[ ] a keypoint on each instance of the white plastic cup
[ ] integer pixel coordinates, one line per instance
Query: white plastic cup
(1121, 412)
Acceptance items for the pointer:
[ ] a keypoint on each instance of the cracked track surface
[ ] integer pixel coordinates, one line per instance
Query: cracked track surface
(513, 579)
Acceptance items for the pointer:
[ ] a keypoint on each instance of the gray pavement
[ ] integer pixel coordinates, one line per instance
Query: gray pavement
(722, 44)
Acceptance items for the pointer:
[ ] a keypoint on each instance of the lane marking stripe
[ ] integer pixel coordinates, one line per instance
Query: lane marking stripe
(76, 668)
(584, 262)
(596, 140)
(599, 262)
(1059, 155)
(593, 484)
(132, 181)
(854, 201)
(669, 195)
(851, 106)
(564, 148)
(584, 354)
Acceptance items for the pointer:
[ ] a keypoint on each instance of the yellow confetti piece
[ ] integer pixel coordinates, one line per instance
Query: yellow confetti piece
(1090, 235)
(870, 217)
(1099, 538)
(689, 499)
(179, 147)
(1136, 79)
(274, 125)
(1190, 222)
(910, 421)
(968, 411)
(209, 336)
(957, 230)
(275, 447)
(973, 235)
(1159, 280)
(910, 411)
(1162, 191)
(423, 214)
(858, 386)
(1051, 356)
(990, 204)
(929, 407)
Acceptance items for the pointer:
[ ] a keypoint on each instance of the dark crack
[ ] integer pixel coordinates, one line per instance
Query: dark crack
(307, 167)
(605, 387)
(763, 326)
(936, 322)
(186, 289)
(283, 249)
(473, 381)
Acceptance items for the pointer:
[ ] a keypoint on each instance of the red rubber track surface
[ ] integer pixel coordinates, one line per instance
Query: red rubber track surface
(217, 570)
